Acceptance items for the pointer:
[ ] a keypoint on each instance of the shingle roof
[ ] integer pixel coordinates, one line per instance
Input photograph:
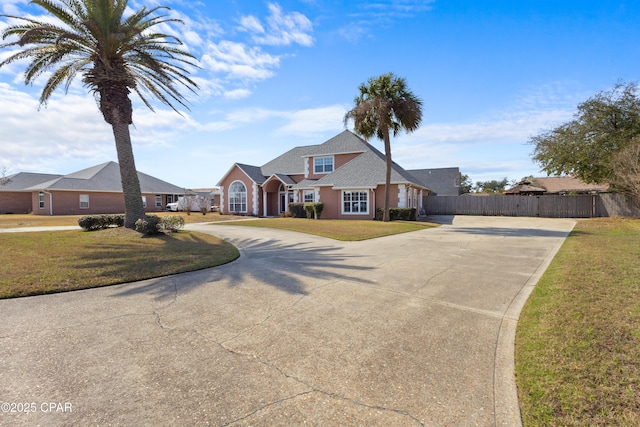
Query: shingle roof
(442, 181)
(105, 178)
(364, 171)
(22, 180)
(252, 172)
(567, 184)
(368, 170)
(344, 142)
(289, 163)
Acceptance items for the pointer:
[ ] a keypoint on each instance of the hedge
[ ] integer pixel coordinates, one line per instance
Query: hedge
(402, 214)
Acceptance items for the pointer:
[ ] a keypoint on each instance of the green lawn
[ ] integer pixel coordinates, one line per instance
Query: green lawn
(578, 338)
(46, 262)
(345, 230)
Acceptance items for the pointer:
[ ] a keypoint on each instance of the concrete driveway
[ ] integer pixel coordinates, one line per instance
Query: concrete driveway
(408, 330)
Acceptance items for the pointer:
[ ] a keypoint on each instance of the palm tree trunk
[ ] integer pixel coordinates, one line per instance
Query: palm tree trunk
(133, 207)
(387, 182)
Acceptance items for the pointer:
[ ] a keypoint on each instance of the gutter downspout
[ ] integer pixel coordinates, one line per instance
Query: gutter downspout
(50, 202)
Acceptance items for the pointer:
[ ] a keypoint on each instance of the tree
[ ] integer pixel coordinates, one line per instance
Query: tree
(493, 186)
(466, 185)
(385, 105)
(586, 146)
(626, 167)
(115, 54)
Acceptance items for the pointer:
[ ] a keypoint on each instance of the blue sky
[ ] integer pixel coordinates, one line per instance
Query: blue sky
(279, 74)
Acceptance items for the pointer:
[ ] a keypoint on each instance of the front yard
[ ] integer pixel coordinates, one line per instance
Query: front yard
(578, 338)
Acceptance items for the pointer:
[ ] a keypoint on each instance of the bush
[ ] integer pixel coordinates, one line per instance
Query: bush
(99, 222)
(172, 223)
(308, 208)
(318, 208)
(297, 210)
(313, 210)
(402, 214)
(149, 225)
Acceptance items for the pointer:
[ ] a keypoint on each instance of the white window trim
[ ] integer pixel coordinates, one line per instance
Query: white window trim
(333, 165)
(158, 201)
(87, 201)
(305, 193)
(366, 191)
(41, 200)
(246, 201)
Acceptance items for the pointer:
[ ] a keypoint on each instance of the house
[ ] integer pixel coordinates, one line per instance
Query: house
(525, 188)
(441, 181)
(555, 185)
(95, 190)
(345, 173)
(568, 185)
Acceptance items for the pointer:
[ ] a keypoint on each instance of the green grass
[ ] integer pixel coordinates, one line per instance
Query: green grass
(578, 338)
(345, 230)
(46, 262)
(30, 220)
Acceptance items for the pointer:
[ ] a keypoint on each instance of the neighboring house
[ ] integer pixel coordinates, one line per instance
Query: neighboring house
(525, 188)
(555, 185)
(568, 185)
(441, 181)
(345, 173)
(96, 190)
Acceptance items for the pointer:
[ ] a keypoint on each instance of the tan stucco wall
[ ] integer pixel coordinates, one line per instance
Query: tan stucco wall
(237, 175)
(338, 161)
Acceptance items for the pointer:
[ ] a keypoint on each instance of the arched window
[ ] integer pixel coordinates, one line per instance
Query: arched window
(237, 197)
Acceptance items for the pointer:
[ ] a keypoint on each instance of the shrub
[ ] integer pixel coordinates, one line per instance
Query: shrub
(318, 208)
(297, 210)
(313, 210)
(172, 223)
(403, 214)
(149, 225)
(98, 222)
(308, 208)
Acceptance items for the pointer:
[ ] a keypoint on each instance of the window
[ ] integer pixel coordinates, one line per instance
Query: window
(237, 197)
(323, 164)
(144, 201)
(41, 200)
(158, 201)
(355, 202)
(309, 196)
(84, 201)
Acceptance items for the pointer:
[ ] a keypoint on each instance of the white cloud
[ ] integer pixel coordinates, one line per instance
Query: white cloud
(239, 62)
(237, 94)
(283, 29)
(313, 121)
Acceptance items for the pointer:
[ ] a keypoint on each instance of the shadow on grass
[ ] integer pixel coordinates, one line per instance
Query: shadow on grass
(292, 268)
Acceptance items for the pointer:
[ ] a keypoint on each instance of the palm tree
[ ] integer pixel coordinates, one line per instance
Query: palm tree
(385, 104)
(115, 54)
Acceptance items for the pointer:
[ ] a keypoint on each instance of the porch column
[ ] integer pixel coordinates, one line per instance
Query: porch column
(255, 199)
(264, 203)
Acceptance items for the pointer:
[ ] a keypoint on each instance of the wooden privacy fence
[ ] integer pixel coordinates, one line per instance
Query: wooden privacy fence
(552, 206)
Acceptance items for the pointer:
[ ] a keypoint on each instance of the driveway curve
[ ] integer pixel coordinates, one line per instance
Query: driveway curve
(414, 329)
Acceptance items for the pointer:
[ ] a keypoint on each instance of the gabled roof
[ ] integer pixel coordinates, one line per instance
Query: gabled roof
(442, 181)
(100, 178)
(343, 143)
(368, 170)
(22, 180)
(567, 184)
(289, 163)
